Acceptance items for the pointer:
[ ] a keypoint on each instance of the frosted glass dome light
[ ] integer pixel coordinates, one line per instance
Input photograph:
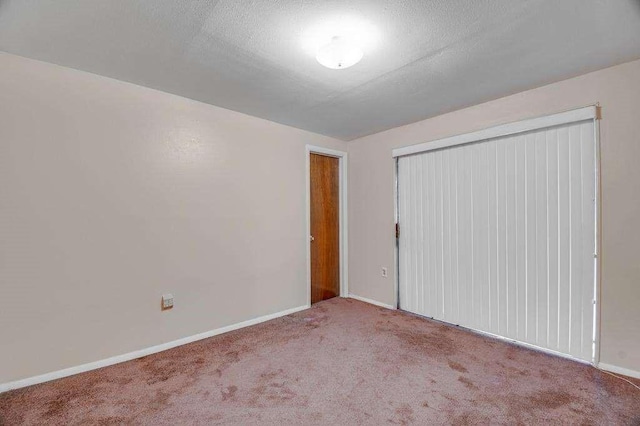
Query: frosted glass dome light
(339, 53)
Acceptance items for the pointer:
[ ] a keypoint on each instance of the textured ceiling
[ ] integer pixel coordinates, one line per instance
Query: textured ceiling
(430, 57)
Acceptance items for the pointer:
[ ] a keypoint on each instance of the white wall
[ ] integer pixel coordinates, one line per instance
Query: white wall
(112, 194)
(371, 205)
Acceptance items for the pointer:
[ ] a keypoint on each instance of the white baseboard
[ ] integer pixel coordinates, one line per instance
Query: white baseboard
(371, 301)
(619, 370)
(140, 353)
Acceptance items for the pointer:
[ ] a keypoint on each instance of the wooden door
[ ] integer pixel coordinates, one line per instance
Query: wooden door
(325, 227)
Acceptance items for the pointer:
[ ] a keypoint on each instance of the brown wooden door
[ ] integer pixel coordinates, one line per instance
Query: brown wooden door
(325, 227)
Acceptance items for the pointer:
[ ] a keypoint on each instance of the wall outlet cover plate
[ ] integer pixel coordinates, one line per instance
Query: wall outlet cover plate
(167, 301)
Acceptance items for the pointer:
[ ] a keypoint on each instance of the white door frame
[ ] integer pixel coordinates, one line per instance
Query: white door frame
(342, 157)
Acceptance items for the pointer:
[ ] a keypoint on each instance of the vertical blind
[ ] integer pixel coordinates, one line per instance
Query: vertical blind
(499, 235)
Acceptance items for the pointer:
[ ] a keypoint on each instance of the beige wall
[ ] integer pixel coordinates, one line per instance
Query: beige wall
(112, 194)
(371, 215)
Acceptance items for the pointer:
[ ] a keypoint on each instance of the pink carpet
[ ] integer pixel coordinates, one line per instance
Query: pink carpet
(341, 362)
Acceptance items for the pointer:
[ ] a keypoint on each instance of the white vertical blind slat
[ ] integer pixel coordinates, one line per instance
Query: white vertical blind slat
(510, 239)
(553, 238)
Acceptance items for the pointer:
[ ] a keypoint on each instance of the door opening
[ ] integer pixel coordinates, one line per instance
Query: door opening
(499, 231)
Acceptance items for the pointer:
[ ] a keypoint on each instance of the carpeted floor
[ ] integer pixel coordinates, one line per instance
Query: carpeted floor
(341, 362)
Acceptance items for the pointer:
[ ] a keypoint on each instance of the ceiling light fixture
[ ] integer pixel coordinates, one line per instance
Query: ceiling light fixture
(339, 41)
(339, 53)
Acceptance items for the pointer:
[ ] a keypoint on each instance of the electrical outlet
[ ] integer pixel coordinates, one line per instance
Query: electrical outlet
(167, 301)
(384, 272)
